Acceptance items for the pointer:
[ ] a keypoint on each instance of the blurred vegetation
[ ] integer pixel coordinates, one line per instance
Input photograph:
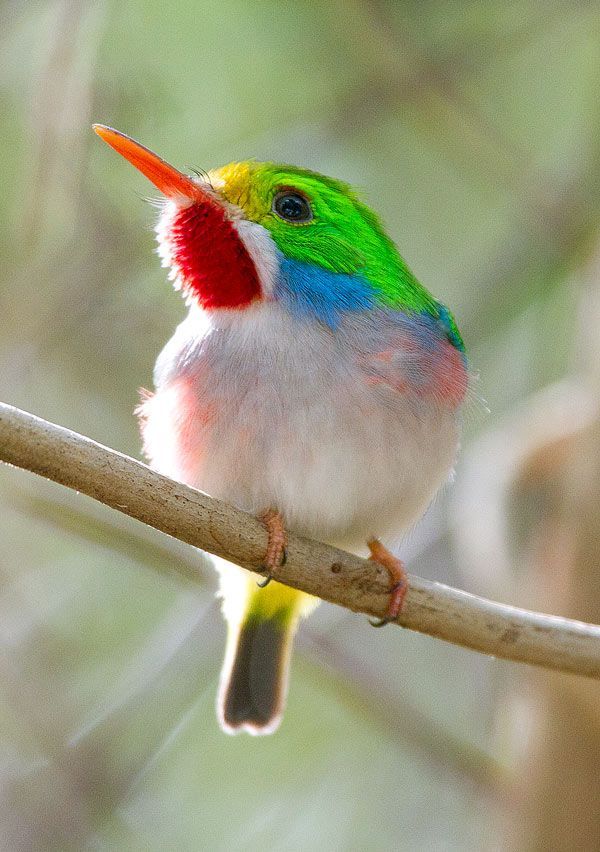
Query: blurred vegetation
(474, 129)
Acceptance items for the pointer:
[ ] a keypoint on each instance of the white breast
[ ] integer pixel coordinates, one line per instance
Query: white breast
(263, 410)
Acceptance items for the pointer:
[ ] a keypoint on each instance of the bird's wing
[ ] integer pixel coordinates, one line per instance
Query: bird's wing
(414, 356)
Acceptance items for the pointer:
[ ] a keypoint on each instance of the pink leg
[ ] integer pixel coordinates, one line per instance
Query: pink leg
(398, 577)
(276, 546)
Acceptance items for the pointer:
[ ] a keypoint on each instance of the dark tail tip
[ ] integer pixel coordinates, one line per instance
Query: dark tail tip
(254, 683)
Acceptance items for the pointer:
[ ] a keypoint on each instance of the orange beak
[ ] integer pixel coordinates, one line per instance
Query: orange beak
(171, 182)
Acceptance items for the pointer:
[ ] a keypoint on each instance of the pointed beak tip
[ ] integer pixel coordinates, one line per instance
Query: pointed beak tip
(171, 182)
(103, 130)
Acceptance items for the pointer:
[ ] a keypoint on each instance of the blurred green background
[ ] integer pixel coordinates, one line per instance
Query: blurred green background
(474, 129)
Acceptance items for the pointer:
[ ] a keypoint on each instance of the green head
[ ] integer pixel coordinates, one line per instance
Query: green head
(337, 232)
(254, 231)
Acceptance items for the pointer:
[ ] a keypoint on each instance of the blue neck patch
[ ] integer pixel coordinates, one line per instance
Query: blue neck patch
(311, 292)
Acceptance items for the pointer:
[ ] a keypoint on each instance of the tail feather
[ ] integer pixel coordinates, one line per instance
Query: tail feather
(254, 685)
(261, 627)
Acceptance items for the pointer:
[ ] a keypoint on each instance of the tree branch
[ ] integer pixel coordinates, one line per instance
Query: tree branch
(360, 585)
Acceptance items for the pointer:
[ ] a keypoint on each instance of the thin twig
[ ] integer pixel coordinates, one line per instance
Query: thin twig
(357, 584)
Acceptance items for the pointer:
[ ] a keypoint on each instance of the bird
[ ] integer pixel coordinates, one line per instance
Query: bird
(314, 383)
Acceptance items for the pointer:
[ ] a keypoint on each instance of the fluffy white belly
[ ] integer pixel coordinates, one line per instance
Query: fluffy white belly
(267, 412)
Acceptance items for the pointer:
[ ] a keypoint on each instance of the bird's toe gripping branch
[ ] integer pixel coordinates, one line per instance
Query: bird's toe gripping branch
(276, 553)
(398, 577)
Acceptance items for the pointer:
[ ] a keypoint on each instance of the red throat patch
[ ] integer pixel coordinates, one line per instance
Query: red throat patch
(212, 261)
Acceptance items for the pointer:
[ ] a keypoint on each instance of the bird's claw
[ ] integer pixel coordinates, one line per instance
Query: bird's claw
(276, 555)
(380, 622)
(395, 568)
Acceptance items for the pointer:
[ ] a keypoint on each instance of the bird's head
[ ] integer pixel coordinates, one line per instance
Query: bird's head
(250, 232)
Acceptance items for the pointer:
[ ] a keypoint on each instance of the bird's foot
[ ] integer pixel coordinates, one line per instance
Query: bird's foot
(276, 554)
(398, 577)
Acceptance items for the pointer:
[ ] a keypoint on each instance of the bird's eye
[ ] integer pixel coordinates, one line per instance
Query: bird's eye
(292, 207)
